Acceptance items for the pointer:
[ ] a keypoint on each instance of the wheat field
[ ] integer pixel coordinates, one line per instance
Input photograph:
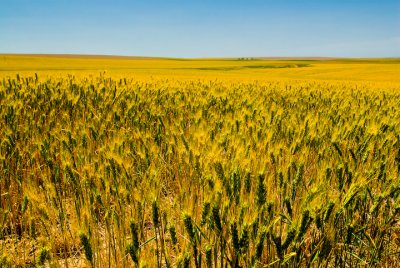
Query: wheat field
(145, 162)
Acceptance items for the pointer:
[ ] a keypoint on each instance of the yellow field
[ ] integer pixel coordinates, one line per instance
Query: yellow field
(141, 162)
(374, 70)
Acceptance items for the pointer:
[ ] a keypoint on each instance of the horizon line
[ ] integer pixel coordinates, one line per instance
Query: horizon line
(79, 55)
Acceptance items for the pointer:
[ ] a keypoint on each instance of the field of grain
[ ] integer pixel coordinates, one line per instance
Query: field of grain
(141, 162)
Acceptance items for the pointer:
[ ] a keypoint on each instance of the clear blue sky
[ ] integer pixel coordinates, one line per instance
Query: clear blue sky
(207, 28)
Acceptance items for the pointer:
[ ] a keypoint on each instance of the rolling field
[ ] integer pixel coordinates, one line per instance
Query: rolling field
(370, 70)
(148, 162)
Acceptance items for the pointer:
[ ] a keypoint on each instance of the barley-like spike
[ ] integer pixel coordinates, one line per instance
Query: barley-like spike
(305, 220)
(130, 248)
(297, 180)
(242, 213)
(377, 203)
(340, 177)
(187, 220)
(219, 170)
(155, 214)
(337, 147)
(135, 235)
(244, 237)
(235, 238)
(236, 185)
(254, 228)
(216, 218)
(208, 253)
(32, 229)
(260, 243)
(172, 233)
(350, 231)
(44, 255)
(280, 179)
(288, 206)
(86, 246)
(24, 204)
(328, 211)
(205, 212)
(261, 191)
(247, 183)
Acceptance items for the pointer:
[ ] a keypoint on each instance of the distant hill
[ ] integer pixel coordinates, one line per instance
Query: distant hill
(274, 58)
(77, 56)
(296, 58)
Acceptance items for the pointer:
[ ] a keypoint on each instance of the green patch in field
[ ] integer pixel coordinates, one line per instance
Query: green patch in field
(236, 68)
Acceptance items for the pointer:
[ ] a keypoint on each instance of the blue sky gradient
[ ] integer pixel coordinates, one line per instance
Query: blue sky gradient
(207, 28)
